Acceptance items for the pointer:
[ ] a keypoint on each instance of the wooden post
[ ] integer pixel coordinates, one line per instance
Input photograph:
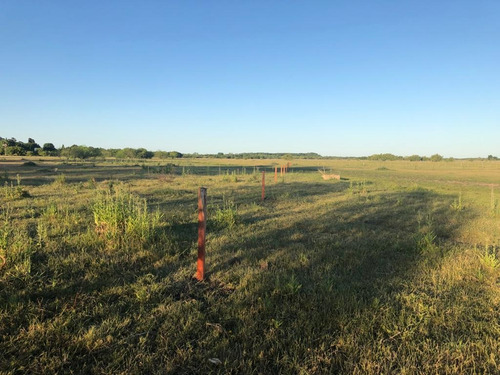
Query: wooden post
(263, 185)
(275, 174)
(202, 228)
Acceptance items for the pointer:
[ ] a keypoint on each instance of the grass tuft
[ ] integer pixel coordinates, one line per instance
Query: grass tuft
(120, 217)
(224, 216)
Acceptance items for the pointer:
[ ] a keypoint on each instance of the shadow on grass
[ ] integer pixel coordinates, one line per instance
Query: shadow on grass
(309, 276)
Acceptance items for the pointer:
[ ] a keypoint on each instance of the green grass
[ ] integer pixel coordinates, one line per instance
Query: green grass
(393, 269)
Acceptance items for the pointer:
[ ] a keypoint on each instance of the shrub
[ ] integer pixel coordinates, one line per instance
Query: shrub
(436, 157)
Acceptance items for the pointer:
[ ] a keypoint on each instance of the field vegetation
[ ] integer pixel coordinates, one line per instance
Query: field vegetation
(393, 268)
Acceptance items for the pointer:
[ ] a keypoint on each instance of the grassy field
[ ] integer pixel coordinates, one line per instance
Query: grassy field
(393, 269)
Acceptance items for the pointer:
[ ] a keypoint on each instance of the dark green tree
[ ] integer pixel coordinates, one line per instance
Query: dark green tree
(175, 154)
(436, 157)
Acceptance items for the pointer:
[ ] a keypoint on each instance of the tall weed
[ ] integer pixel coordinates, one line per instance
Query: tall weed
(11, 191)
(224, 216)
(457, 204)
(121, 217)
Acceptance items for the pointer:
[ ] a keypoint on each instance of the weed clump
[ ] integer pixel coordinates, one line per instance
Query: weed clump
(225, 216)
(122, 217)
(15, 192)
(11, 191)
(230, 177)
(60, 180)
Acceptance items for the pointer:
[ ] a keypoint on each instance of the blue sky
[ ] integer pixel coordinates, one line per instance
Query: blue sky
(346, 78)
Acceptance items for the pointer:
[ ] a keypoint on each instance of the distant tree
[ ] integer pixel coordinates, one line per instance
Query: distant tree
(81, 152)
(48, 147)
(414, 158)
(491, 157)
(142, 153)
(436, 157)
(161, 154)
(175, 154)
(384, 157)
(31, 146)
(125, 153)
(15, 150)
(109, 152)
(12, 146)
(94, 152)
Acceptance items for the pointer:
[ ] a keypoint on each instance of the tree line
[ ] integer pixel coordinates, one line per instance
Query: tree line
(11, 146)
(384, 157)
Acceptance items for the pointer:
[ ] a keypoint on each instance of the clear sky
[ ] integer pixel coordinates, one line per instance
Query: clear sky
(346, 78)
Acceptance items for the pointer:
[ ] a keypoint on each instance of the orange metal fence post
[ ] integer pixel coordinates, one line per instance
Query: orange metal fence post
(275, 174)
(202, 228)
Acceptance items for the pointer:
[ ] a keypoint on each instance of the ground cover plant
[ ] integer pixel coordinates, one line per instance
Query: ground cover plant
(394, 268)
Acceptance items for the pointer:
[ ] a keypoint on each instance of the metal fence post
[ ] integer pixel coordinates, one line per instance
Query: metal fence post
(202, 228)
